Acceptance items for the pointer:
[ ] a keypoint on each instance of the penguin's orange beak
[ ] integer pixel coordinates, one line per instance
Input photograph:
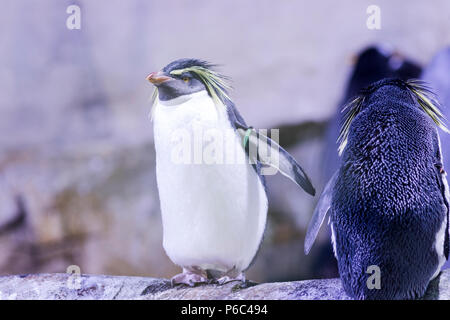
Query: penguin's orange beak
(158, 77)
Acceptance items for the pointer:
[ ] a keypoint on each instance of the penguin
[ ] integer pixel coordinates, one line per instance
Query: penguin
(436, 74)
(213, 213)
(372, 64)
(388, 202)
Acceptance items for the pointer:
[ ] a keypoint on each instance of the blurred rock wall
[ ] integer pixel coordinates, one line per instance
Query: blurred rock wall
(77, 171)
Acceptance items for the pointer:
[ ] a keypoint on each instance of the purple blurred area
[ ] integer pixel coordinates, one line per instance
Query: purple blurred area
(77, 163)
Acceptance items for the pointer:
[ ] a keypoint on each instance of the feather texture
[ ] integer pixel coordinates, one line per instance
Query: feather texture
(421, 93)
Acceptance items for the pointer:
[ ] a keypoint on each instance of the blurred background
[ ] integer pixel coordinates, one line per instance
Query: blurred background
(77, 163)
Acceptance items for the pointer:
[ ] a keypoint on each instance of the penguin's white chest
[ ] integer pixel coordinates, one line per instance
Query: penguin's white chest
(213, 208)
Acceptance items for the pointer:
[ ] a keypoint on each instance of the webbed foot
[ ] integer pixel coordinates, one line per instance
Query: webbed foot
(190, 277)
(231, 276)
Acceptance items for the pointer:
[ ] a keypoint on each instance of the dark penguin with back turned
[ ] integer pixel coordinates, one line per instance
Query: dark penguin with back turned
(213, 209)
(372, 64)
(389, 200)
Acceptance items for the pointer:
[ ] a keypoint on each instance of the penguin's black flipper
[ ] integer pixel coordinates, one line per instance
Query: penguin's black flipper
(269, 153)
(446, 197)
(322, 208)
(441, 177)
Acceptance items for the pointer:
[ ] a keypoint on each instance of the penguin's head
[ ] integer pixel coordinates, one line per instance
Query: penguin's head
(414, 92)
(376, 63)
(184, 77)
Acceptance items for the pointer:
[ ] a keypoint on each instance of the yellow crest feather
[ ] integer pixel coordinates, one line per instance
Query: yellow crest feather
(421, 93)
(215, 83)
(428, 102)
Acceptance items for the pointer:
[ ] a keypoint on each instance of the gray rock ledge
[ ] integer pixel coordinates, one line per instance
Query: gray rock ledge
(61, 286)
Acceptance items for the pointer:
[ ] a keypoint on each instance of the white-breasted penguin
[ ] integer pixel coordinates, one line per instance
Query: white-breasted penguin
(213, 214)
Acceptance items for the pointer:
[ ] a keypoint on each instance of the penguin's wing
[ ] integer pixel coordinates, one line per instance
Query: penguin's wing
(322, 208)
(442, 176)
(269, 153)
(447, 236)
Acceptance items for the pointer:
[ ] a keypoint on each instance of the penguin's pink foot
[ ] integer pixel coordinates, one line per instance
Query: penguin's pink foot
(190, 277)
(230, 278)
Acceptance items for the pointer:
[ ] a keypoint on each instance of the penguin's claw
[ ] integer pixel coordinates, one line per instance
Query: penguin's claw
(188, 278)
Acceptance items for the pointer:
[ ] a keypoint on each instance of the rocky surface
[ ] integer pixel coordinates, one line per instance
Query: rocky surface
(65, 286)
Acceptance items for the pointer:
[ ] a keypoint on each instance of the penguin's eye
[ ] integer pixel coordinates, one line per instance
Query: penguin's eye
(185, 79)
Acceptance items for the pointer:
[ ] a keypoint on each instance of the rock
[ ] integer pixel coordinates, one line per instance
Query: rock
(100, 287)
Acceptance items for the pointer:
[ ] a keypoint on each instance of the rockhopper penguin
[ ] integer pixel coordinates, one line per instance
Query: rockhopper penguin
(389, 200)
(371, 64)
(213, 212)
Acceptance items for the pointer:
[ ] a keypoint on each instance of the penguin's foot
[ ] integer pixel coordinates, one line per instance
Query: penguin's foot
(230, 278)
(190, 277)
